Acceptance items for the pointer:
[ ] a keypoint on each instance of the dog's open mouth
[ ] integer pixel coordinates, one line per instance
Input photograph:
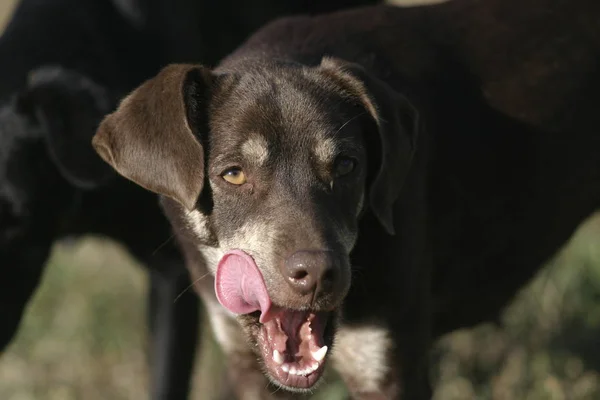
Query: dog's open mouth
(293, 343)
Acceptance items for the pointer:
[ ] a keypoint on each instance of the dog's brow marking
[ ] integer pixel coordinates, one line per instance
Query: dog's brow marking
(360, 355)
(325, 150)
(256, 149)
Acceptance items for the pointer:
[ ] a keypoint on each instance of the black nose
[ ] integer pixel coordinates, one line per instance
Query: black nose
(311, 270)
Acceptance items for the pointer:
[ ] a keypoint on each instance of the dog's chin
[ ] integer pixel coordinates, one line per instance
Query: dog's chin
(294, 346)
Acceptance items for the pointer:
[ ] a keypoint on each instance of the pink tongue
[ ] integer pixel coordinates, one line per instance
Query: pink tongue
(240, 286)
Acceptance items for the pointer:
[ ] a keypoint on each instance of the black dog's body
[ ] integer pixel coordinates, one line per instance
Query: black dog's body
(51, 186)
(497, 168)
(84, 55)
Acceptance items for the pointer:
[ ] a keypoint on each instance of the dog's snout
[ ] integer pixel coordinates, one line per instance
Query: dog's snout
(310, 270)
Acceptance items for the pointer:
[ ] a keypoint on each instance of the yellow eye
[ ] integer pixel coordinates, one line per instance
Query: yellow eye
(235, 176)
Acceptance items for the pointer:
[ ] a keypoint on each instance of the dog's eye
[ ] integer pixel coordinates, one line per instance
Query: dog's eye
(344, 165)
(234, 176)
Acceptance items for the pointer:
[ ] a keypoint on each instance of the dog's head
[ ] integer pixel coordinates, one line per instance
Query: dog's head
(45, 155)
(271, 168)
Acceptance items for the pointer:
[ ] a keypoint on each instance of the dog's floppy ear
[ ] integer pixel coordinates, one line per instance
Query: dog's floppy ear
(69, 108)
(152, 137)
(397, 125)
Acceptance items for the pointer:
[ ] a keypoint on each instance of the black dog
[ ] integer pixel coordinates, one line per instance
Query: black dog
(64, 65)
(364, 180)
(53, 185)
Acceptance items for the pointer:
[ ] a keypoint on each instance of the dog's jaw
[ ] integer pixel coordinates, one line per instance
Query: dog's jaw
(294, 346)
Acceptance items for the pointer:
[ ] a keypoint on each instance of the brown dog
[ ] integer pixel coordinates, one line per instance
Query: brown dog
(343, 180)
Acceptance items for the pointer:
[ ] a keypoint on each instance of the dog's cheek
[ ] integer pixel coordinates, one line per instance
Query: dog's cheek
(225, 326)
(198, 224)
(351, 200)
(199, 232)
(347, 236)
(347, 226)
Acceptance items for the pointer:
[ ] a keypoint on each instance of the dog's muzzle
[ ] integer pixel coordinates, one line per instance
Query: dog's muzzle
(293, 343)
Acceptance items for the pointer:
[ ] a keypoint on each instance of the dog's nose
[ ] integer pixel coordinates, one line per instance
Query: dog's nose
(310, 270)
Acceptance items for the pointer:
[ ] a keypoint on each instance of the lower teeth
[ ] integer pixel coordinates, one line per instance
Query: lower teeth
(296, 371)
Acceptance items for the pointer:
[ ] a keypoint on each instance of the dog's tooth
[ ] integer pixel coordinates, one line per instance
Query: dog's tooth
(285, 367)
(293, 370)
(319, 355)
(315, 366)
(277, 357)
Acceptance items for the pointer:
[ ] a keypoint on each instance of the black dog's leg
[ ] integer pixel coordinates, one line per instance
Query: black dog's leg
(20, 274)
(174, 323)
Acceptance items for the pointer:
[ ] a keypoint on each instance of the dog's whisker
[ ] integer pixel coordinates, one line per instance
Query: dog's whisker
(277, 389)
(190, 286)
(350, 120)
(163, 244)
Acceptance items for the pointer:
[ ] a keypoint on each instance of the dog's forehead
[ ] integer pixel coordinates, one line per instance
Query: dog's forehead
(280, 109)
